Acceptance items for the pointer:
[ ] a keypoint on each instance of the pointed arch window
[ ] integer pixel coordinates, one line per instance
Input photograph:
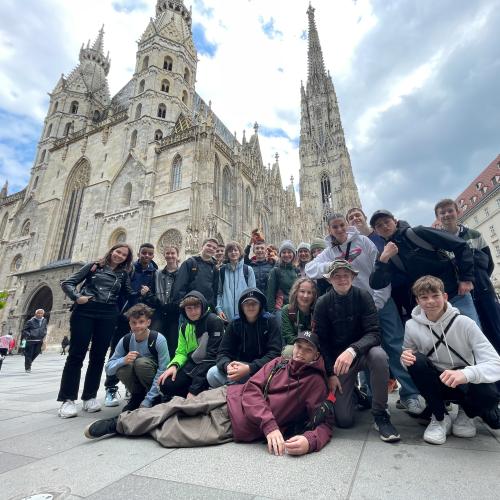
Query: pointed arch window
(165, 86)
(42, 156)
(326, 191)
(72, 205)
(176, 175)
(186, 75)
(56, 105)
(49, 131)
(3, 225)
(35, 183)
(145, 63)
(184, 97)
(133, 139)
(168, 63)
(74, 107)
(25, 228)
(226, 186)
(96, 116)
(142, 84)
(138, 111)
(67, 129)
(248, 205)
(158, 135)
(216, 184)
(162, 111)
(127, 194)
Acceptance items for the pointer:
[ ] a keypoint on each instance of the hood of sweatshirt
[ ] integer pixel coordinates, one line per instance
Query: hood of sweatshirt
(204, 306)
(256, 294)
(352, 232)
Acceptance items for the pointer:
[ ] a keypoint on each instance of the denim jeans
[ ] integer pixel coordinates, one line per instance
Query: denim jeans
(392, 342)
(216, 378)
(465, 305)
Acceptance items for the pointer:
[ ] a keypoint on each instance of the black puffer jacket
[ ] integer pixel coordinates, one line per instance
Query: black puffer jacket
(261, 269)
(104, 284)
(252, 343)
(419, 262)
(343, 321)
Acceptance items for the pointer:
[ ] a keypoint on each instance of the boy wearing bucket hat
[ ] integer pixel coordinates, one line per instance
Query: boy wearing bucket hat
(346, 322)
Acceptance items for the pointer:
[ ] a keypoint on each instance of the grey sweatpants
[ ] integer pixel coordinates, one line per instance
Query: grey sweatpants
(377, 363)
(182, 423)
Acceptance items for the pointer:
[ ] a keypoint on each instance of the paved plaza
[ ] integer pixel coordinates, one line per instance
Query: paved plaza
(40, 453)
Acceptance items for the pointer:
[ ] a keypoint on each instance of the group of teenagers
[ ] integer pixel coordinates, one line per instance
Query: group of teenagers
(287, 343)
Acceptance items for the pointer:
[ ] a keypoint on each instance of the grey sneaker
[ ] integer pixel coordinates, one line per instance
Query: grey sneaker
(463, 426)
(437, 430)
(411, 405)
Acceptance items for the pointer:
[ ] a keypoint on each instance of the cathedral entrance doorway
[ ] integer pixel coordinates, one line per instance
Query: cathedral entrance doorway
(42, 299)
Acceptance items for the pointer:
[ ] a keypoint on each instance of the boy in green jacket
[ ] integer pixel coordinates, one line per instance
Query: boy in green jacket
(199, 339)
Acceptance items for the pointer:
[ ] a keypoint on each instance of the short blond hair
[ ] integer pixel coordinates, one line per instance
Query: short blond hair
(427, 284)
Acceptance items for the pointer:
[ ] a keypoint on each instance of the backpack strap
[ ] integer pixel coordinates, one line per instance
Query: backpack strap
(153, 336)
(126, 342)
(441, 341)
(193, 268)
(222, 274)
(245, 273)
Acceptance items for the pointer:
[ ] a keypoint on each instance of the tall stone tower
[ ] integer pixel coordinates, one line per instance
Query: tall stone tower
(326, 180)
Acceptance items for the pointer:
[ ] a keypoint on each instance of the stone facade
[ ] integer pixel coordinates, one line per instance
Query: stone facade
(153, 163)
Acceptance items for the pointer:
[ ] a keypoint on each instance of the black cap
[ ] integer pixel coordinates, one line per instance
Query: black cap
(311, 337)
(378, 214)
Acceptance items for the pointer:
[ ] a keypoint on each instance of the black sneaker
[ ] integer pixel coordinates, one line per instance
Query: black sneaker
(134, 402)
(387, 431)
(101, 428)
(361, 399)
(492, 417)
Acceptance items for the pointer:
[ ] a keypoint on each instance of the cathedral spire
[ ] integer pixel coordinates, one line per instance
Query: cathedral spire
(95, 53)
(316, 67)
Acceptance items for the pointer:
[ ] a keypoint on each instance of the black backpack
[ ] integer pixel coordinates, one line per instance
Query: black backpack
(151, 343)
(222, 273)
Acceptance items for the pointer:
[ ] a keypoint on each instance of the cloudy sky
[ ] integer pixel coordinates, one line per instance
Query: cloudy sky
(417, 81)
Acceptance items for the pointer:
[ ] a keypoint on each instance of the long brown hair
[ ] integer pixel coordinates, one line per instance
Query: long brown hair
(126, 265)
(295, 289)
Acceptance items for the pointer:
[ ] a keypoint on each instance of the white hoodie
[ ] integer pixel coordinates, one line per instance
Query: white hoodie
(362, 256)
(464, 336)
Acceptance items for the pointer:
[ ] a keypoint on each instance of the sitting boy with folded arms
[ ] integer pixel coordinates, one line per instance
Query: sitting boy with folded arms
(450, 359)
(139, 359)
(286, 402)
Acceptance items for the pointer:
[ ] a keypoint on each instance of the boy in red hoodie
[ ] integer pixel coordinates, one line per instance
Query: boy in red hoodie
(270, 404)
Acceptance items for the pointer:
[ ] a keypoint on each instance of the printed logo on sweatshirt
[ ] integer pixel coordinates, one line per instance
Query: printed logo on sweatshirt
(217, 334)
(353, 254)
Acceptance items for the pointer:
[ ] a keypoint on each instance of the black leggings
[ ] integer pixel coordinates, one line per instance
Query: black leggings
(475, 399)
(85, 328)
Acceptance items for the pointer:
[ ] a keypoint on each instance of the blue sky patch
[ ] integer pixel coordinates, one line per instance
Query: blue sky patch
(272, 132)
(128, 6)
(269, 29)
(205, 11)
(203, 45)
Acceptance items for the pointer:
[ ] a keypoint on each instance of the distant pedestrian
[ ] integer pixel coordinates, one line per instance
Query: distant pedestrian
(5, 341)
(34, 331)
(64, 345)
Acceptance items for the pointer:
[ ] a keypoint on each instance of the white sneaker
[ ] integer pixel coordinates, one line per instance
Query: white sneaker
(437, 431)
(463, 426)
(91, 405)
(68, 409)
(111, 398)
(413, 405)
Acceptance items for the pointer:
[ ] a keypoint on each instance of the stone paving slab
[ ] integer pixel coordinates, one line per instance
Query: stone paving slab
(40, 452)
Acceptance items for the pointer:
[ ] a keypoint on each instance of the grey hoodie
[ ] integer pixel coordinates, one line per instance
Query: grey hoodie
(464, 336)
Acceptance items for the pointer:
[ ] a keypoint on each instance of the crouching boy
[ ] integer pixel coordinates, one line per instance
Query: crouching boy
(251, 340)
(346, 321)
(139, 359)
(273, 404)
(450, 359)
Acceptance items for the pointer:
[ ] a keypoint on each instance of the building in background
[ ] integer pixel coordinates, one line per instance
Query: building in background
(479, 208)
(154, 163)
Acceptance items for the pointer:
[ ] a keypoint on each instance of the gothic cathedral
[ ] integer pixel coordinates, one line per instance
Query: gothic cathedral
(155, 163)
